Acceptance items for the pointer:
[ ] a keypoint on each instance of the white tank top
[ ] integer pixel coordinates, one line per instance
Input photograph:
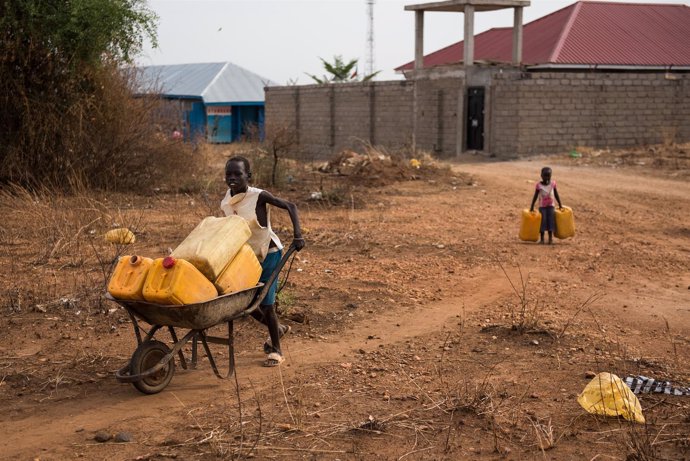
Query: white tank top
(244, 205)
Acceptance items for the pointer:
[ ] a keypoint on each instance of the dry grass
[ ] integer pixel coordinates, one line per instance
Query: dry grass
(53, 232)
(526, 314)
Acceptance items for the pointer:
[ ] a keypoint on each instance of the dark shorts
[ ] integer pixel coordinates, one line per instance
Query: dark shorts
(548, 218)
(268, 266)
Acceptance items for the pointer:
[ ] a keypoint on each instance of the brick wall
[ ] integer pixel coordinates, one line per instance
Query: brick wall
(437, 115)
(526, 113)
(556, 112)
(329, 118)
(393, 114)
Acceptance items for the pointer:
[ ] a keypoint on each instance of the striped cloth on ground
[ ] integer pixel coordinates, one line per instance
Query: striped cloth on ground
(645, 385)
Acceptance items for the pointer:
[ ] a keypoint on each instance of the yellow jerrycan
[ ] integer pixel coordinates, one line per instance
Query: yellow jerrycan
(241, 273)
(530, 225)
(565, 223)
(213, 244)
(127, 281)
(120, 235)
(176, 281)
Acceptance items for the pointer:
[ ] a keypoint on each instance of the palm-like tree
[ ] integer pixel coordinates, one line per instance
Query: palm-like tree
(341, 71)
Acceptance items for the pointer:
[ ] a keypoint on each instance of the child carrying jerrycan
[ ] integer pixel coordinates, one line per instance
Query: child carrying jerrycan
(546, 192)
(252, 204)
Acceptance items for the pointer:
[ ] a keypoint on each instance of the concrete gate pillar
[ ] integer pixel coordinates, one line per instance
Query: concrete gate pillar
(467, 7)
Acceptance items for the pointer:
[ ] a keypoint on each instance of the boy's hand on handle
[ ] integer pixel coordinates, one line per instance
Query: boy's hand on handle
(531, 210)
(298, 243)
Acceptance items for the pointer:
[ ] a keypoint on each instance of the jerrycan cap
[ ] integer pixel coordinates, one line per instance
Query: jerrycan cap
(134, 260)
(168, 262)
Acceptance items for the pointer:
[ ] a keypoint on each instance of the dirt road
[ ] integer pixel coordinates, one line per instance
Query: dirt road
(416, 346)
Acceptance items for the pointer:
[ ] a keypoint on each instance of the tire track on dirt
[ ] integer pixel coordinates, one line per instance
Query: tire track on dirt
(397, 325)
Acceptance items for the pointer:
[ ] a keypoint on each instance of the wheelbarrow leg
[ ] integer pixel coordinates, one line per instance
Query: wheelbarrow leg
(183, 362)
(194, 356)
(225, 341)
(137, 331)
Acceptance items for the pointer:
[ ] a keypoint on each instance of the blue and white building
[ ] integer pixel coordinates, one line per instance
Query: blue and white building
(219, 102)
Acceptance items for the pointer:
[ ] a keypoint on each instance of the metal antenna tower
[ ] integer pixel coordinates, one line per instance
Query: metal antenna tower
(370, 37)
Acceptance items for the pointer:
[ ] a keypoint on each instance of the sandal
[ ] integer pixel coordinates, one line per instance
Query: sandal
(274, 359)
(268, 347)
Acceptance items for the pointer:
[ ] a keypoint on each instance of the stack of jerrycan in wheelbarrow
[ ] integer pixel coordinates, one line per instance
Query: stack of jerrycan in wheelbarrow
(211, 278)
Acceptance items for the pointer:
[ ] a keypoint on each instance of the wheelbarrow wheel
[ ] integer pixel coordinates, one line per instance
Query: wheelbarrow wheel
(147, 356)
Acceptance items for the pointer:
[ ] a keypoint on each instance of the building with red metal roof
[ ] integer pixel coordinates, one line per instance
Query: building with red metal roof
(588, 35)
(595, 74)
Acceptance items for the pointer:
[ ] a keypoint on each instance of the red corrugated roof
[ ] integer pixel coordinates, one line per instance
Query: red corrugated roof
(588, 33)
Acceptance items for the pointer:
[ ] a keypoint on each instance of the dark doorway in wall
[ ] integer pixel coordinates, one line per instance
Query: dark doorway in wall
(475, 118)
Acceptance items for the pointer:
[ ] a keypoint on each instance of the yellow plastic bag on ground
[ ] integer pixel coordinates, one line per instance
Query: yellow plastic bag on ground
(608, 395)
(121, 235)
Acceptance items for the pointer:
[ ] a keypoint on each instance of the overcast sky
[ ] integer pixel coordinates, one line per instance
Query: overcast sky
(281, 40)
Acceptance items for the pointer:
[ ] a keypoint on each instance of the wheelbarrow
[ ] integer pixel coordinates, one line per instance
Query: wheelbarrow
(152, 365)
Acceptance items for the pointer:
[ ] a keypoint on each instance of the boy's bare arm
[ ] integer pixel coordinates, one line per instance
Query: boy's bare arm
(268, 198)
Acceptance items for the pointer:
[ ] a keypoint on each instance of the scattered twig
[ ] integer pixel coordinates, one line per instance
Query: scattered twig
(306, 450)
(414, 451)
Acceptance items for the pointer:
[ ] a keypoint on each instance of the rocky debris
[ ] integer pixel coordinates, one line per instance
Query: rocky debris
(102, 437)
(298, 317)
(376, 168)
(123, 437)
(349, 162)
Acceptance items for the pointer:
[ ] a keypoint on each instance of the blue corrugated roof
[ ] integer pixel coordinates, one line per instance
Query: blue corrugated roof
(214, 82)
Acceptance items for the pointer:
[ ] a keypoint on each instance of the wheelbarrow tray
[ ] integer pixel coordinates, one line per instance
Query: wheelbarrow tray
(196, 316)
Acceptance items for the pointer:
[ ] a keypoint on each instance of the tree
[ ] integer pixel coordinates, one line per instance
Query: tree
(57, 59)
(341, 72)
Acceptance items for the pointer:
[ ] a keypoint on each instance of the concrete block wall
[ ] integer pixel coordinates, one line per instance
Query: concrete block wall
(314, 117)
(352, 115)
(526, 113)
(329, 118)
(393, 114)
(504, 125)
(437, 116)
(556, 112)
(284, 106)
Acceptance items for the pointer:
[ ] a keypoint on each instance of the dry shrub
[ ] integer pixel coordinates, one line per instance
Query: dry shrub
(281, 142)
(95, 135)
(640, 444)
(271, 156)
(270, 153)
(527, 314)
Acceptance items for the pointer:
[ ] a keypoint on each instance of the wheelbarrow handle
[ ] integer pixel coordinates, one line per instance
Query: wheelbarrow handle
(274, 275)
